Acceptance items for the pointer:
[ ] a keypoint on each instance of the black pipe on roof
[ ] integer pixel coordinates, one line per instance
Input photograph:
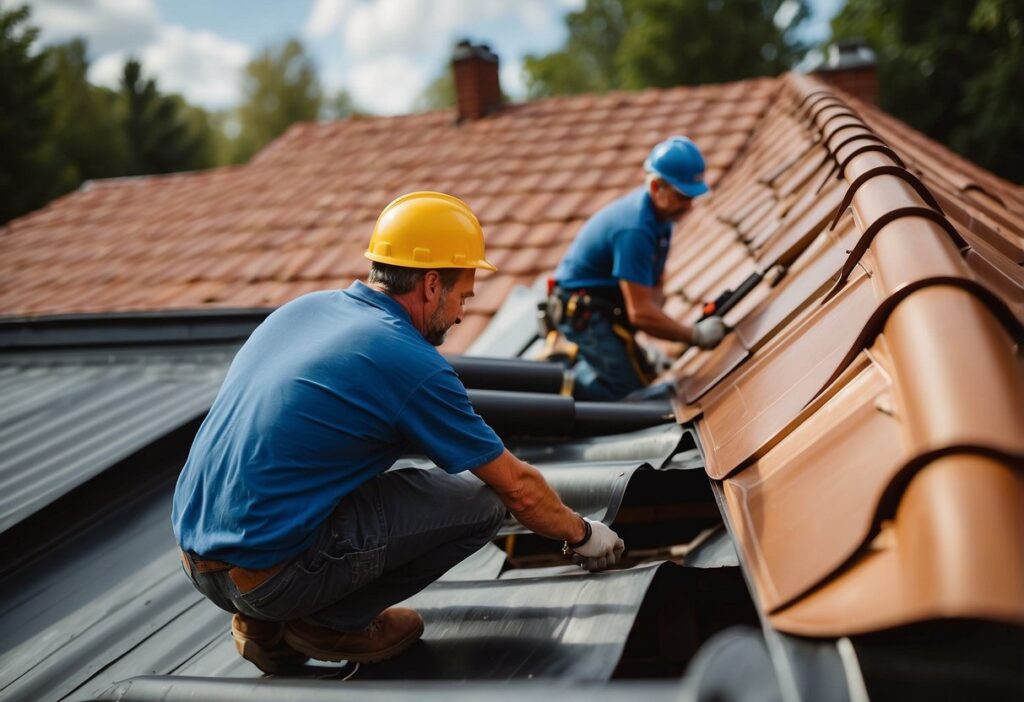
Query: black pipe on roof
(537, 414)
(509, 374)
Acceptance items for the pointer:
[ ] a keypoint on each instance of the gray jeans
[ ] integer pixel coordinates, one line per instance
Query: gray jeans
(383, 543)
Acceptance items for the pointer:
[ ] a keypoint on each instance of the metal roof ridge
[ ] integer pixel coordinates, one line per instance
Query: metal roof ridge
(904, 255)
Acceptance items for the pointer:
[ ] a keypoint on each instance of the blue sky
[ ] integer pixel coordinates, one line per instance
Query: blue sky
(382, 51)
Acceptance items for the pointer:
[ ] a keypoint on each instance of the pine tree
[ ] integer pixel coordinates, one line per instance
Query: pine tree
(26, 119)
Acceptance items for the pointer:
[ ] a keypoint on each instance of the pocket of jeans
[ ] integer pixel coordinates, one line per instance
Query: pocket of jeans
(359, 568)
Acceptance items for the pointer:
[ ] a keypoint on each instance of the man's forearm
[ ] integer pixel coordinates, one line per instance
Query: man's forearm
(551, 518)
(530, 499)
(658, 324)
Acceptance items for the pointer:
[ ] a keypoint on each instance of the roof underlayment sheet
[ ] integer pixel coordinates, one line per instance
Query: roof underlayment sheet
(110, 603)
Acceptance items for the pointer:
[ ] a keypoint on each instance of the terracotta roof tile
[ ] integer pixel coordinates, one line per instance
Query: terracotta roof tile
(818, 400)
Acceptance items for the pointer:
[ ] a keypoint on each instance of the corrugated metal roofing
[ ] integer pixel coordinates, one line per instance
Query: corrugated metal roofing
(110, 603)
(67, 417)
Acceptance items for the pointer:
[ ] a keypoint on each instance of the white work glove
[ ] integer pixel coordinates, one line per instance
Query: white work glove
(708, 333)
(601, 551)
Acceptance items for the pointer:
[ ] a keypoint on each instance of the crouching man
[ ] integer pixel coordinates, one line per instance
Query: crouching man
(285, 511)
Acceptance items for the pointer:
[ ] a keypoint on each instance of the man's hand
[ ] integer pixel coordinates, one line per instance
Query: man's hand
(708, 333)
(601, 551)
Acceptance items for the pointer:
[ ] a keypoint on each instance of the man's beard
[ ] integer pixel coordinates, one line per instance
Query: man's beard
(436, 328)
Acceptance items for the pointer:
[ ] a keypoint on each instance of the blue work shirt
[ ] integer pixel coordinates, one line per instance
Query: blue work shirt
(625, 240)
(327, 393)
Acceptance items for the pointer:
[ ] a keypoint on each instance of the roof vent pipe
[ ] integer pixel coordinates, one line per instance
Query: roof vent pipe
(851, 66)
(477, 90)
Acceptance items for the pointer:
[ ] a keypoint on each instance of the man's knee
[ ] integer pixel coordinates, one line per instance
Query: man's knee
(483, 504)
(495, 508)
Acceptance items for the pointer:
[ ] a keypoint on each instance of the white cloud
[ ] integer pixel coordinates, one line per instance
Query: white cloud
(388, 85)
(406, 43)
(326, 16)
(107, 25)
(201, 65)
(510, 74)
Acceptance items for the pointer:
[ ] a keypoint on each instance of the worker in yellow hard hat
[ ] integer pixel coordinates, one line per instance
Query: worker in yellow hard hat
(286, 512)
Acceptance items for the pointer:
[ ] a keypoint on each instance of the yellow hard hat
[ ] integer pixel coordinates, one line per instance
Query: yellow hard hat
(428, 230)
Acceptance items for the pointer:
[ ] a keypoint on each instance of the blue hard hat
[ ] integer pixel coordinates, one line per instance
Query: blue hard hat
(679, 162)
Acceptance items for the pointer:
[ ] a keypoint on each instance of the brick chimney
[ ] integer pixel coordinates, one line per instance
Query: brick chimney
(477, 91)
(850, 65)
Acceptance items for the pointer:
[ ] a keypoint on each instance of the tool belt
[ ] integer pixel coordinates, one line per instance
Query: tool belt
(245, 579)
(577, 308)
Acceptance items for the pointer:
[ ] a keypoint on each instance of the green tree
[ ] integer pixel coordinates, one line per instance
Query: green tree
(159, 135)
(280, 87)
(587, 63)
(26, 118)
(616, 44)
(341, 105)
(952, 69)
(439, 93)
(87, 138)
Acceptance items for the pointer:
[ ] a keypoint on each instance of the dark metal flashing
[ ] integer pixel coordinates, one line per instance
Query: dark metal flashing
(118, 329)
(655, 446)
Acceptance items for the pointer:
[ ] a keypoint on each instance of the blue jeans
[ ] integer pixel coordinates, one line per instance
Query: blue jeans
(603, 370)
(384, 542)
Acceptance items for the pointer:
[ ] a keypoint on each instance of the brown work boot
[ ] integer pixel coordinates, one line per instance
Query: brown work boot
(262, 644)
(391, 632)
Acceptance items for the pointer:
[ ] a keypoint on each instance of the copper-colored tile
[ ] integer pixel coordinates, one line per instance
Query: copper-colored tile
(950, 551)
(807, 505)
(758, 404)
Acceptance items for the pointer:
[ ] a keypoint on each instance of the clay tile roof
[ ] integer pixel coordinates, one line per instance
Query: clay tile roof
(865, 415)
(300, 211)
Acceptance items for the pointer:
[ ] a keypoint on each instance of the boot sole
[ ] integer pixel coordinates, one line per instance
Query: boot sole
(267, 663)
(322, 654)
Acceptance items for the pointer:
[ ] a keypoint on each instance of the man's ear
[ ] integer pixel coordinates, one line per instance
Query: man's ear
(431, 285)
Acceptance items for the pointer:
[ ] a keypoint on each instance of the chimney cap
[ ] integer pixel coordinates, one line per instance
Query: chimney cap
(846, 54)
(466, 49)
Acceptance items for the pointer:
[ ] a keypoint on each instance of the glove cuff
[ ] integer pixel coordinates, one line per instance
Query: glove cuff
(588, 532)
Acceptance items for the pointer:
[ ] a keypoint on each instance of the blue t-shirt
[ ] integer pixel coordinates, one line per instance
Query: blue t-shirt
(624, 241)
(327, 393)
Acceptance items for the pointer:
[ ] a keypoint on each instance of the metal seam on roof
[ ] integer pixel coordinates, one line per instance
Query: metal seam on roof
(901, 173)
(67, 419)
(876, 323)
(876, 227)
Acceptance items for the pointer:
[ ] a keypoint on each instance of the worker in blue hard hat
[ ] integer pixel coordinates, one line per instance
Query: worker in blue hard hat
(609, 284)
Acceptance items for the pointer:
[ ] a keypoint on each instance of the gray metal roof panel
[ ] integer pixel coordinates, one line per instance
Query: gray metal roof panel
(66, 418)
(163, 689)
(110, 603)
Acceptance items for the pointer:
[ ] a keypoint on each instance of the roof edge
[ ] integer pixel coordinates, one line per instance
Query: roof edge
(128, 328)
